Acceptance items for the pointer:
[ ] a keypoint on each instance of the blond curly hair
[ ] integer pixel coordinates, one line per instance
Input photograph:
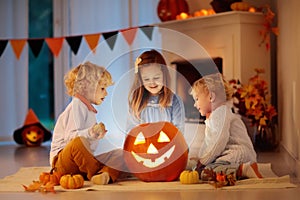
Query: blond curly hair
(86, 77)
(213, 83)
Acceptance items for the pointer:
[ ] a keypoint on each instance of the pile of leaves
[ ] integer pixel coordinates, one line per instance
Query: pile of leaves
(252, 100)
(219, 179)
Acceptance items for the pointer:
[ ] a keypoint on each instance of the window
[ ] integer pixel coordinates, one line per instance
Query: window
(41, 95)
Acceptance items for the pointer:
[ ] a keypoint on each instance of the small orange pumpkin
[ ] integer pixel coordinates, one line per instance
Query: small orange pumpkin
(52, 177)
(70, 181)
(240, 6)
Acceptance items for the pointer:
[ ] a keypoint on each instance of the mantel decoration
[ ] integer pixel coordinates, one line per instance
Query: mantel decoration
(222, 5)
(269, 27)
(169, 9)
(218, 6)
(252, 101)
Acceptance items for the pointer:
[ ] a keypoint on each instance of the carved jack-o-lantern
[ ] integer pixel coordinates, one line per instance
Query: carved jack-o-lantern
(32, 133)
(155, 152)
(33, 136)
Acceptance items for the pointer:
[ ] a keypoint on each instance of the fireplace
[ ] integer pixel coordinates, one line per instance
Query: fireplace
(188, 73)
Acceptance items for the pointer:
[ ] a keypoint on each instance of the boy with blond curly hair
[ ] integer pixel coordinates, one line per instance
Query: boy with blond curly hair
(76, 133)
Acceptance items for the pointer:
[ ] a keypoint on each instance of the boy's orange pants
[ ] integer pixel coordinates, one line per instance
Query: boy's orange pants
(75, 158)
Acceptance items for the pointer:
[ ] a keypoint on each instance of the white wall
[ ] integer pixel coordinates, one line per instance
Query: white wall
(13, 72)
(288, 78)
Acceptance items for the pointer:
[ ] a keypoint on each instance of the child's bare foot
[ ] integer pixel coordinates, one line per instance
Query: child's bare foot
(249, 170)
(101, 179)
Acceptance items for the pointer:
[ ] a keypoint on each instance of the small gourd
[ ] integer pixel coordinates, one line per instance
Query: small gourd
(70, 181)
(189, 177)
(52, 177)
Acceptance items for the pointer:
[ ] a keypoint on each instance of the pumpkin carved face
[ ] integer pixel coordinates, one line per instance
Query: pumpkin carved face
(33, 136)
(155, 151)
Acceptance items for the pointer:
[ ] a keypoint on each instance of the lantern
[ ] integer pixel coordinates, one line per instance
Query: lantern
(32, 133)
(155, 152)
(33, 136)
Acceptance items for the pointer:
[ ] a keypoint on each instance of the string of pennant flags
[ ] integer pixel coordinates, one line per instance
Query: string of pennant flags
(55, 43)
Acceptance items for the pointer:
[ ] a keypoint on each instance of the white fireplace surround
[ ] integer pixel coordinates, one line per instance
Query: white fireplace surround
(233, 36)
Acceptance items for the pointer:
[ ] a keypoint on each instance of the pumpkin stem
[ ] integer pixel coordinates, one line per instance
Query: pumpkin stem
(52, 170)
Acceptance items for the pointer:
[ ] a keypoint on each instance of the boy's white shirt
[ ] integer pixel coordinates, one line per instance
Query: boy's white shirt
(74, 121)
(226, 138)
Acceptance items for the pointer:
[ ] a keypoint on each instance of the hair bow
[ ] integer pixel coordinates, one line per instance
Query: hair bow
(136, 64)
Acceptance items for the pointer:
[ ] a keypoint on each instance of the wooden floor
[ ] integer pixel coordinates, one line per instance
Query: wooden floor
(12, 157)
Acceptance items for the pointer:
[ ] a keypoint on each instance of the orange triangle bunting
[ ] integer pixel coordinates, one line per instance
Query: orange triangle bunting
(92, 40)
(18, 46)
(129, 34)
(55, 45)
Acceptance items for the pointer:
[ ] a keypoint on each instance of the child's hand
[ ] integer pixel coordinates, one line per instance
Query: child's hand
(97, 131)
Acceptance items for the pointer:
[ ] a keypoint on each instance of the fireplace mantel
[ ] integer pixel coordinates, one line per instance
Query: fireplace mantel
(234, 36)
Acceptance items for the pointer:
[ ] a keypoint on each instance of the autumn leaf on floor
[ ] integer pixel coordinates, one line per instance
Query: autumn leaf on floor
(49, 187)
(34, 186)
(39, 187)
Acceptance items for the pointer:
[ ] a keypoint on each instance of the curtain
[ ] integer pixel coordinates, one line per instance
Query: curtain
(13, 72)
